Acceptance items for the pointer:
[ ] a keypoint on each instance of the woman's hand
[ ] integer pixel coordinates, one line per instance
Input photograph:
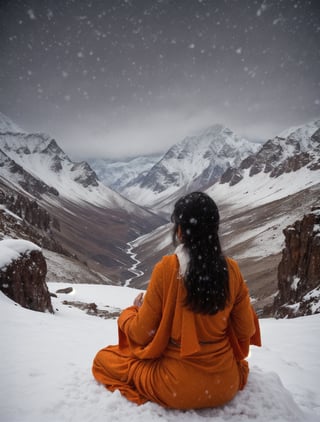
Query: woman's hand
(138, 300)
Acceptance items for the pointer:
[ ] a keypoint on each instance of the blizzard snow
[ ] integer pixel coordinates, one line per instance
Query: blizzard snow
(46, 367)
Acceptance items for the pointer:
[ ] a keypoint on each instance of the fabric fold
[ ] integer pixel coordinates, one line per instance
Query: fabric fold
(241, 348)
(189, 340)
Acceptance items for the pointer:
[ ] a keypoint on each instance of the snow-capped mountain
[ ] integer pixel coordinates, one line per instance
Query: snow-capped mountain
(288, 152)
(34, 165)
(42, 158)
(119, 174)
(194, 163)
(270, 187)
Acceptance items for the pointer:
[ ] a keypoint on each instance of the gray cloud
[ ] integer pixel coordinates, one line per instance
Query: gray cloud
(121, 78)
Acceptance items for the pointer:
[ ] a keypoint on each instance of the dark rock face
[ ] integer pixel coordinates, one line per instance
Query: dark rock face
(292, 163)
(280, 155)
(23, 281)
(36, 223)
(85, 175)
(30, 211)
(299, 269)
(247, 162)
(227, 175)
(231, 176)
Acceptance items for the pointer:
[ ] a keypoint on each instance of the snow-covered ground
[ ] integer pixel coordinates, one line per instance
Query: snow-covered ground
(45, 367)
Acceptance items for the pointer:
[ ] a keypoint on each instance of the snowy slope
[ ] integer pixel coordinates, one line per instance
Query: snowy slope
(193, 163)
(262, 235)
(41, 157)
(46, 367)
(301, 133)
(34, 166)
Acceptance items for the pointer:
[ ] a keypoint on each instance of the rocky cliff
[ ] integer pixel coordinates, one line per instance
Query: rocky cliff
(23, 217)
(283, 154)
(22, 279)
(299, 269)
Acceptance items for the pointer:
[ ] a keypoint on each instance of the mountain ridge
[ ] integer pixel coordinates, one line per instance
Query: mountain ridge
(254, 211)
(118, 174)
(294, 149)
(193, 163)
(95, 222)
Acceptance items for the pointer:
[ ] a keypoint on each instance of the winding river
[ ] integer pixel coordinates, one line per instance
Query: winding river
(133, 268)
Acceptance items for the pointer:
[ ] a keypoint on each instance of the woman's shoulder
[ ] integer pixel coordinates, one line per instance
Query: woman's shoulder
(164, 272)
(167, 266)
(169, 261)
(233, 268)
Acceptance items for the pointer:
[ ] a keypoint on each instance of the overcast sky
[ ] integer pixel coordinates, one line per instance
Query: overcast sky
(111, 78)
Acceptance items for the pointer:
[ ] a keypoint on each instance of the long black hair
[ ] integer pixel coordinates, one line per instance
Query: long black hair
(206, 279)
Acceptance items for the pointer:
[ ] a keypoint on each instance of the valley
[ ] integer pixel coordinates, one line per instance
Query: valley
(119, 236)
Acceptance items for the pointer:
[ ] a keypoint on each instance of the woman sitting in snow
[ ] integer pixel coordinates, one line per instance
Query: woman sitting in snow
(183, 346)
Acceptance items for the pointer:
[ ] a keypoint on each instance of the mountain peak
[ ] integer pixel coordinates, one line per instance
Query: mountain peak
(288, 152)
(194, 163)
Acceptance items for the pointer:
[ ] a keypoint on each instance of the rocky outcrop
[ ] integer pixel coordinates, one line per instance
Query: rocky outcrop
(22, 217)
(23, 281)
(28, 210)
(84, 174)
(92, 309)
(231, 176)
(290, 164)
(299, 269)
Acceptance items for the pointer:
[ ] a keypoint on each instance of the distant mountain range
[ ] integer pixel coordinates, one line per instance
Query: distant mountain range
(95, 222)
(118, 174)
(194, 163)
(260, 189)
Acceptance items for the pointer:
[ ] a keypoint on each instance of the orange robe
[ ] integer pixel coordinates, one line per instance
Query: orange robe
(169, 355)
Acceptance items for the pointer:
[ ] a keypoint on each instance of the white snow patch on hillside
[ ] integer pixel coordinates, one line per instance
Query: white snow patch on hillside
(261, 189)
(11, 249)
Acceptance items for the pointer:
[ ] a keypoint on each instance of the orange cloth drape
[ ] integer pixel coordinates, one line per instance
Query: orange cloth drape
(174, 357)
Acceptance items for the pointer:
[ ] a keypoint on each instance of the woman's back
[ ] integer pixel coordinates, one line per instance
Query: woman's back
(183, 346)
(187, 361)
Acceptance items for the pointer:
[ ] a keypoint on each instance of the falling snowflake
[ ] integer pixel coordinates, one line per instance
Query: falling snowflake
(31, 14)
